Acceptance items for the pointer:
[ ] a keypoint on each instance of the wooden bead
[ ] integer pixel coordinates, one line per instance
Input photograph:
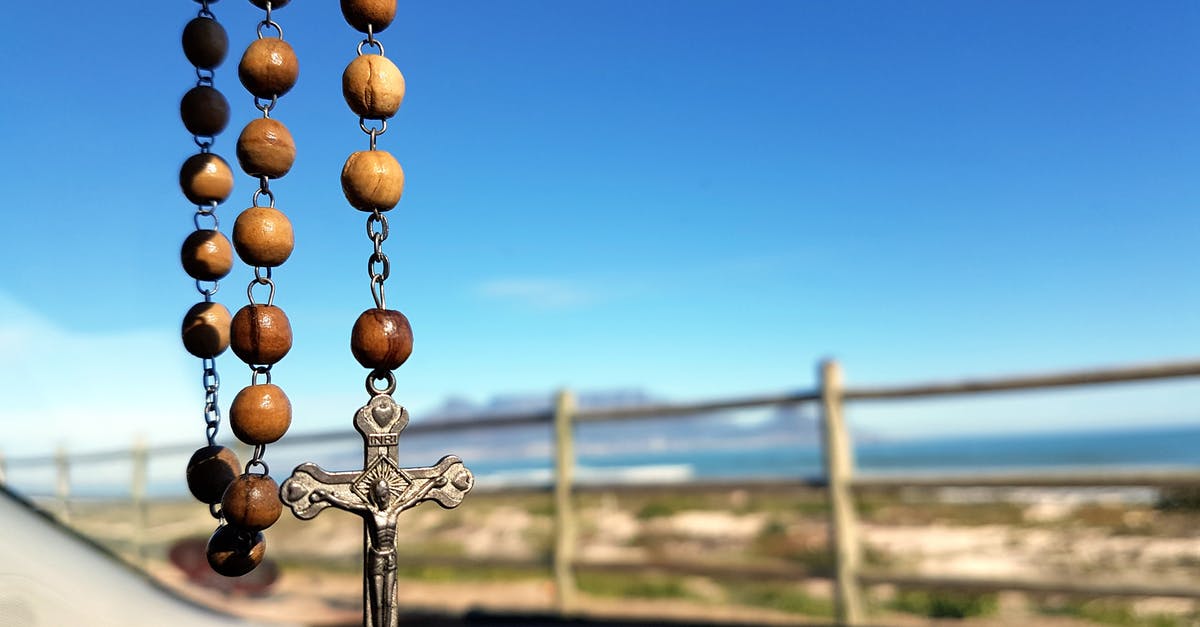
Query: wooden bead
(266, 148)
(206, 330)
(204, 111)
(372, 179)
(252, 502)
(260, 334)
(377, 14)
(373, 86)
(205, 43)
(233, 552)
(263, 237)
(382, 338)
(260, 414)
(269, 67)
(206, 255)
(206, 178)
(209, 472)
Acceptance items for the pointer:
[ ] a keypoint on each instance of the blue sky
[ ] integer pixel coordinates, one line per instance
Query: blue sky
(695, 198)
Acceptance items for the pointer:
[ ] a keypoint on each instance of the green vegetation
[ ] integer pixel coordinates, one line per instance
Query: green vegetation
(656, 509)
(774, 541)
(779, 596)
(636, 586)
(775, 596)
(921, 508)
(1179, 499)
(802, 502)
(438, 574)
(669, 505)
(945, 603)
(1113, 612)
(421, 572)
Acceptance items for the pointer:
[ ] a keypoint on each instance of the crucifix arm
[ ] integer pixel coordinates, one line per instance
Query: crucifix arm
(445, 483)
(310, 490)
(333, 499)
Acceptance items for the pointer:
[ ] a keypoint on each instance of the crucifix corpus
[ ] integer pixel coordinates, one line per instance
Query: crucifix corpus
(243, 501)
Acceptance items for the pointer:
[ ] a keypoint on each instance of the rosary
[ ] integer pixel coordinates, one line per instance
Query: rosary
(243, 501)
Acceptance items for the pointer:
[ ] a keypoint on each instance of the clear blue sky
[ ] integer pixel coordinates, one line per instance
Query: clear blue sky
(695, 198)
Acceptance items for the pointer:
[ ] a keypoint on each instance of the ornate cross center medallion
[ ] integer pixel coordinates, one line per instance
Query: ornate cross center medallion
(379, 493)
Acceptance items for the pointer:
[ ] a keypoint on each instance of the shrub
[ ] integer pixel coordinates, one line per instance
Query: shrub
(1179, 499)
(945, 603)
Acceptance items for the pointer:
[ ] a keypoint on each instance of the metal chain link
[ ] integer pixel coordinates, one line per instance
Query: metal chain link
(380, 374)
(264, 188)
(255, 371)
(370, 41)
(208, 292)
(269, 23)
(378, 276)
(212, 409)
(261, 281)
(256, 459)
(372, 131)
(266, 108)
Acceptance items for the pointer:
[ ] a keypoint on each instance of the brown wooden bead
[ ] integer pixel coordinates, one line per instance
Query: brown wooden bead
(372, 179)
(206, 178)
(209, 472)
(377, 14)
(266, 148)
(204, 111)
(205, 43)
(252, 502)
(260, 334)
(269, 67)
(263, 237)
(260, 414)
(233, 552)
(382, 338)
(206, 255)
(373, 86)
(206, 330)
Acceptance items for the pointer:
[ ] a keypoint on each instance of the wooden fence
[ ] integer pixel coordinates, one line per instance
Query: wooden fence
(839, 480)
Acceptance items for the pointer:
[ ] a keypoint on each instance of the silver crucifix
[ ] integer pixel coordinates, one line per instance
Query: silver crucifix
(378, 493)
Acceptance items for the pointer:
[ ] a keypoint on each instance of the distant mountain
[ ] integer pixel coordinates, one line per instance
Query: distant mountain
(793, 425)
(459, 408)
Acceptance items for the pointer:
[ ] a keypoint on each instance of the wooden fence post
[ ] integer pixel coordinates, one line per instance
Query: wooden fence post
(564, 510)
(62, 484)
(843, 519)
(137, 492)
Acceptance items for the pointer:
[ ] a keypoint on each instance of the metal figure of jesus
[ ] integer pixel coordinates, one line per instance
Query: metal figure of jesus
(379, 494)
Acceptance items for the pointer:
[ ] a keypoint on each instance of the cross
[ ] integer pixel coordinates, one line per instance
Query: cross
(379, 493)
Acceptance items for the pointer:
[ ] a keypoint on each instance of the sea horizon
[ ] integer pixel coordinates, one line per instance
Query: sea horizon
(798, 456)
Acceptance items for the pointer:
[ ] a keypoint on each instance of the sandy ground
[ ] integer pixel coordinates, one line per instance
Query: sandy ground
(1051, 537)
(333, 600)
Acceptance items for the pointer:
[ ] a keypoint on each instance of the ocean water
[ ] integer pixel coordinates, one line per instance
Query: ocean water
(1167, 448)
(630, 460)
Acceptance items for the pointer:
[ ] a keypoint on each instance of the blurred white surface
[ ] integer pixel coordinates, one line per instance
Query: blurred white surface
(53, 578)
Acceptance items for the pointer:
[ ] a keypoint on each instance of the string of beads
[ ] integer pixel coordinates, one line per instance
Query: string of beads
(206, 254)
(260, 333)
(373, 182)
